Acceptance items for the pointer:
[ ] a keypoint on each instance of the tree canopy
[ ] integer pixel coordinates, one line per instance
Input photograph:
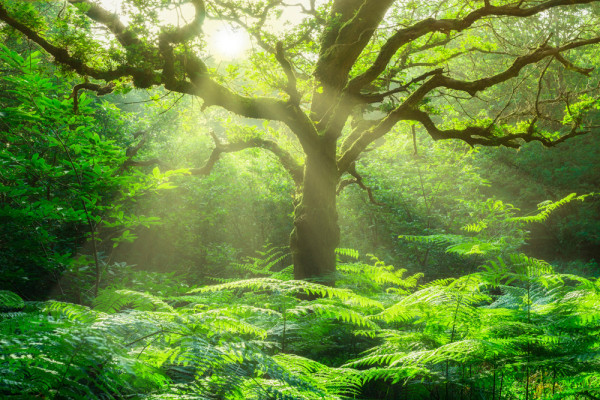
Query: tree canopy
(340, 77)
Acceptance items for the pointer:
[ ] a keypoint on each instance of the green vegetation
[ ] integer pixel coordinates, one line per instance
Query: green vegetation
(514, 329)
(437, 164)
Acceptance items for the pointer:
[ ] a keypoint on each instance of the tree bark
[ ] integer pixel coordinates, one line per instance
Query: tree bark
(316, 233)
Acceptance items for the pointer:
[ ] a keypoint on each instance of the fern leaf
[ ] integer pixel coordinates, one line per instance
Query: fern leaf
(111, 301)
(340, 313)
(292, 287)
(10, 301)
(547, 208)
(351, 253)
(73, 312)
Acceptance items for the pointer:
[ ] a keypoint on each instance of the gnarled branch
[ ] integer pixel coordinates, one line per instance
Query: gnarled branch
(357, 180)
(62, 55)
(421, 28)
(111, 21)
(200, 82)
(408, 110)
(484, 135)
(286, 160)
(99, 89)
(379, 97)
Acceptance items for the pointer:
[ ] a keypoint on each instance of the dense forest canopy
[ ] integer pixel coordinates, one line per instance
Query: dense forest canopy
(427, 157)
(343, 78)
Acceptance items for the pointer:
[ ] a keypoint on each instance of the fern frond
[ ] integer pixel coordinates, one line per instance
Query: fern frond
(464, 352)
(331, 311)
(10, 301)
(548, 207)
(74, 312)
(262, 265)
(438, 282)
(434, 239)
(376, 360)
(475, 227)
(381, 274)
(531, 266)
(394, 375)
(351, 253)
(286, 274)
(337, 381)
(291, 287)
(220, 323)
(111, 301)
(472, 247)
(245, 311)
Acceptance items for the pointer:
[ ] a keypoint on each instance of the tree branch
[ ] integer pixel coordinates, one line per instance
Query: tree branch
(111, 22)
(472, 87)
(200, 83)
(63, 57)
(486, 135)
(287, 161)
(379, 97)
(285, 158)
(291, 88)
(351, 24)
(408, 110)
(419, 29)
(99, 89)
(255, 29)
(358, 180)
(572, 67)
(189, 31)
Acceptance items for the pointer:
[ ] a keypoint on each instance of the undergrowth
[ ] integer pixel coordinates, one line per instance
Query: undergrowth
(513, 329)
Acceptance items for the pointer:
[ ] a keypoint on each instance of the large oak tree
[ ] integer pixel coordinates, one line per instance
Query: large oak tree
(342, 78)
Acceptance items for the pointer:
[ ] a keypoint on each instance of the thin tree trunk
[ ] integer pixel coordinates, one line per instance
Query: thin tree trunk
(500, 390)
(494, 384)
(284, 331)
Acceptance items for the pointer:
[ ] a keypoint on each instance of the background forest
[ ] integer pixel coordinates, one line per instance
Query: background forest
(128, 269)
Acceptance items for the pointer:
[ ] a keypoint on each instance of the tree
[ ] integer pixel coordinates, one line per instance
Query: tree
(343, 78)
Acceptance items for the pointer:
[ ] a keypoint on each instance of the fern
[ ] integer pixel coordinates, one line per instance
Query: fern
(379, 273)
(111, 301)
(68, 358)
(516, 321)
(457, 244)
(10, 301)
(263, 264)
(331, 311)
(396, 375)
(87, 354)
(292, 287)
(337, 381)
(548, 207)
(350, 253)
(73, 312)
(475, 227)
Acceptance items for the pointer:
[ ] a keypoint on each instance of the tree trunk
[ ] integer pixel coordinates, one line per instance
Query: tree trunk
(316, 233)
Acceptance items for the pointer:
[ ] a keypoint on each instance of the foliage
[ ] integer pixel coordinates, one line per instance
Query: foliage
(375, 109)
(60, 180)
(515, 322)
(205, 227)
(514, 329)
(66, 199)
(331, 85)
